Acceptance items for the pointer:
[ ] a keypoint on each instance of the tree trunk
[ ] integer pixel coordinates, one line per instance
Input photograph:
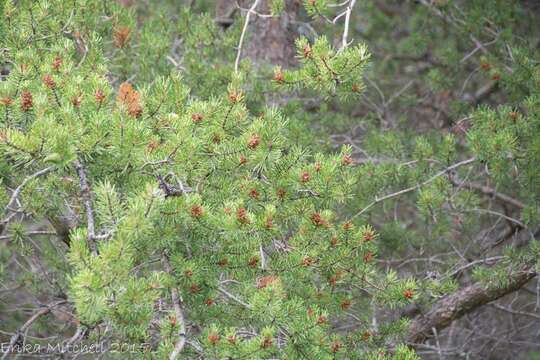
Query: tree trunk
(269, 40)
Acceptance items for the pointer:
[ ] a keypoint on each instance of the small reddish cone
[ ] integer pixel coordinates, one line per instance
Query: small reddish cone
(241, 216)
(49, 82)
(194, 288)
(321, 320)
(368, 235)
(213, 338)
(196, 211)
(278, 77)
(513, 115)
(223, 262)
(235, 96)
(408, 294)
(307, 261)
(335, 346)
(209, 302)
(57, 62)
(254, 141)
(305, 177)
(152, 145)
(99, 96)
(269, 223)
(188, 273)
(266, 342)
(129, 97)
(318, 220)
(332, 280)
(266, 281)
(485, 66)
(121, 35)
(196, 118)
(366, 335)
(368, 257)
(347, 160)
(253, 193)
(307, 49)
(253, 262)
(27, 101)
(345, 304)
(231, 339)
(76, 101)
(6, 101)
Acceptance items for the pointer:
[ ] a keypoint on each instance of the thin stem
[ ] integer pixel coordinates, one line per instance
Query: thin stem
(179, 312)
(344, 42)
(244, 30)
(412, 188)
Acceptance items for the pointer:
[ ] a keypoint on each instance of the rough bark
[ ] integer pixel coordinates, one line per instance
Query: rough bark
(270, 40)
(464, 301)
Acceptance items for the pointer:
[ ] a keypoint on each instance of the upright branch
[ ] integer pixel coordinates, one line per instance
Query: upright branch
(178, 310)
(242, 36)
(87, 200)
(344, 42)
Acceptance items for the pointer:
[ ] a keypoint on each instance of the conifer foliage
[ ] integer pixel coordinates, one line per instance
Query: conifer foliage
(184, 212)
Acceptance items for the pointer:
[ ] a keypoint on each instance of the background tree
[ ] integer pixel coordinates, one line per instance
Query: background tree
(272, 180)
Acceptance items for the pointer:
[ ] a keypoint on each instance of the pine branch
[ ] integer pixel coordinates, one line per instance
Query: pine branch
(412, 188)
(487, 191)
(462, 302)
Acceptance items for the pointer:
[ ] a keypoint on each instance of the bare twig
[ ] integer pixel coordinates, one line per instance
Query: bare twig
(242, 36)
(19, 188)
(488, 191)
(233, 297)
(412, 188)
(344, 42)
(18, 337)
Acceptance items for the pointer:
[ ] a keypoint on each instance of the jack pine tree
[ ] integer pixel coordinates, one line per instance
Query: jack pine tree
(175, 207)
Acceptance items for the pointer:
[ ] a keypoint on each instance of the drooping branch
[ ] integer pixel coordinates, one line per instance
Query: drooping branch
(464, 301)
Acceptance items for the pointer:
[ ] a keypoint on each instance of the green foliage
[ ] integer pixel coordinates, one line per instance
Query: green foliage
(190, 186)
(325, 70)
